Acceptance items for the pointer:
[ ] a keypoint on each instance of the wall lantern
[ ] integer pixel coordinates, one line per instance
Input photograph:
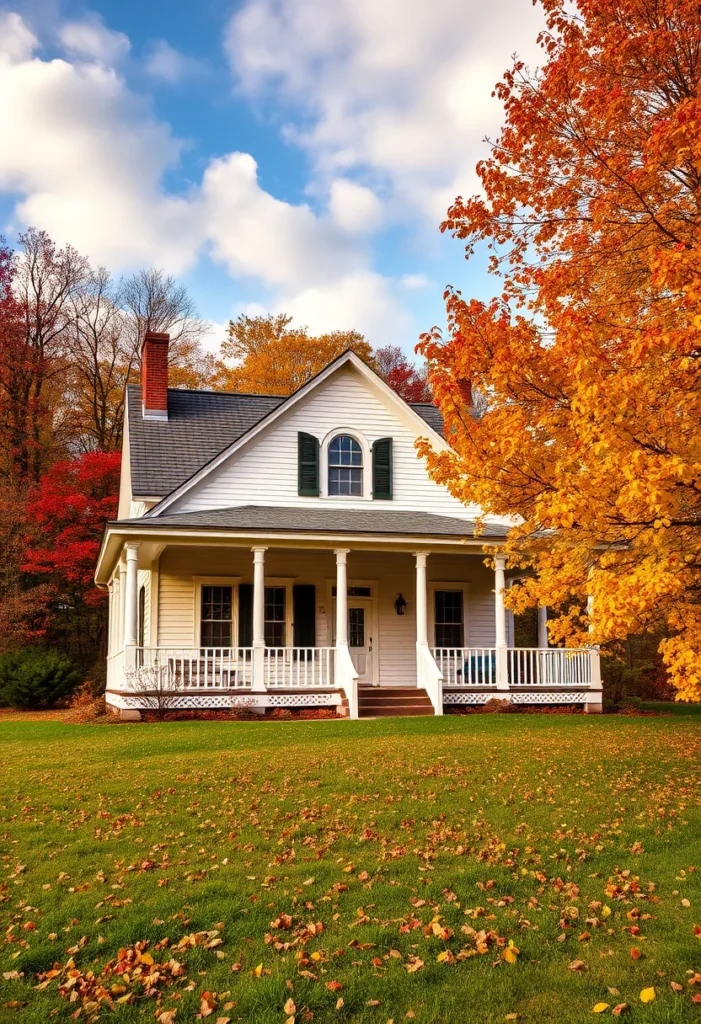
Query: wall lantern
(400, 605)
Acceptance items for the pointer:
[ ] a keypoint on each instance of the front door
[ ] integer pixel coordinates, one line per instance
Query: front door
(360, 637)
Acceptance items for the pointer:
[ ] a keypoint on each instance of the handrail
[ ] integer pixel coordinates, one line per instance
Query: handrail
(429, 677)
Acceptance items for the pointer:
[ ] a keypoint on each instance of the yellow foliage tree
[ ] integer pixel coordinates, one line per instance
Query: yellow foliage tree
(273, 358)
(589, 361)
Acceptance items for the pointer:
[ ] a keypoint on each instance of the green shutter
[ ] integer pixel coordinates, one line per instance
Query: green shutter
(382, 468)
(304, 611)
(245, 614)
(307, 465)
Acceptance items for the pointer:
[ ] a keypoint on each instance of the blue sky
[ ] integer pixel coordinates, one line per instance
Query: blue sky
(291, 155)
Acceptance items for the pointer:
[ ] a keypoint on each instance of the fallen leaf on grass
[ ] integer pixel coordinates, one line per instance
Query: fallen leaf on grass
(647, 995)
(290, 1008)
(208, 1004)
(414, 964)
(334, 986)
(635, 953)
(621, 1008)
(600, 1008)
(577, 965)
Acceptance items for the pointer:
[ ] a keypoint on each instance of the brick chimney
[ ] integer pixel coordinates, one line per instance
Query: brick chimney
(465, 391)
(154, 375)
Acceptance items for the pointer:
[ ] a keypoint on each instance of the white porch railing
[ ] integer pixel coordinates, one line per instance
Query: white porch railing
(552, 666)
(466, 666)
(201, 668)
(298, 667)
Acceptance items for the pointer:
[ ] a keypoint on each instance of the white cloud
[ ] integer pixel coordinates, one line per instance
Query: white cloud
(354, 207)
(363, 301)
(95, 178)
(255, 234)
(17, 43)
(414, 282)
(169, 65)
(214, 335)
(399, 89)
(97, 181)
(90, 39)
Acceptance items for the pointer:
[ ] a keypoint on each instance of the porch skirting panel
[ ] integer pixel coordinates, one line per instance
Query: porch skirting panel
(516, 697)
(221, 701)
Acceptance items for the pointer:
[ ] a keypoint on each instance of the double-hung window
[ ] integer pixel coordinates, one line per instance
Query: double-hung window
(345, 457)
(216, 618)
(449, 618)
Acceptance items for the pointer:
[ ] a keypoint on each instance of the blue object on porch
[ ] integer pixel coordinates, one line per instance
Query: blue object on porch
(480, 667)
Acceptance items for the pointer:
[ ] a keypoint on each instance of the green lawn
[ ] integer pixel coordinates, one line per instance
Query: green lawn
(417, 849)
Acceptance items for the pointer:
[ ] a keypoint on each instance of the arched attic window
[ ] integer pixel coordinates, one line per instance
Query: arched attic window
(345, 467)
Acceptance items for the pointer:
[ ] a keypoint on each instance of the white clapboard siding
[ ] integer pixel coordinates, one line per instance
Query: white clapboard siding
(265, 472)
(388, 573)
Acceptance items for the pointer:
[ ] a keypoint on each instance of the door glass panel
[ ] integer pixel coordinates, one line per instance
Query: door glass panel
(356, 627)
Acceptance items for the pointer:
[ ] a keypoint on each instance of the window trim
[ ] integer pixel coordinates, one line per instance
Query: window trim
(435, 585)
(366, 490)
(216, 581)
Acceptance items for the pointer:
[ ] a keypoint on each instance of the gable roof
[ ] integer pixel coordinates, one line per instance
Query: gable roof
(203, 425)
(165, 453)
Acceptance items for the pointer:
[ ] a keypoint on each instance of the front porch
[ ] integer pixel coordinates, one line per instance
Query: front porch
(224, 624)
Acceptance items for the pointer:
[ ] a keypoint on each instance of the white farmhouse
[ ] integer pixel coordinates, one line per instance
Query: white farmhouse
(292, 552)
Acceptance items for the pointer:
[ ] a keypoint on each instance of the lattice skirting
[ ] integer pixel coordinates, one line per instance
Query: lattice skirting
(531, 697)
(209, 701)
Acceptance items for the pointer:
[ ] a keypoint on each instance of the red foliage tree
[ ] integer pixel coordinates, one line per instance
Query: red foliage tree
(66, 516)
(404, 377)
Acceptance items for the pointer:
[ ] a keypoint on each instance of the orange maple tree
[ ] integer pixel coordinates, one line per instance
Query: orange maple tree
(589, 359)
(274, 358)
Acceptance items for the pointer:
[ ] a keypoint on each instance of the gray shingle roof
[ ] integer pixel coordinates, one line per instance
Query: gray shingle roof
(316, 520)
(200, 424)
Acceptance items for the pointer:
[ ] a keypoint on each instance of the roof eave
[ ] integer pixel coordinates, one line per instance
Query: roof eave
(117, 533)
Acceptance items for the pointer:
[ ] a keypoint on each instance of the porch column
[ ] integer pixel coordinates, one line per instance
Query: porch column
(542, 626)
(130, 605)
(259, 618)
(341, 597)
(121, 592)
(421, 600)
(502, 662)
(595, 705)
